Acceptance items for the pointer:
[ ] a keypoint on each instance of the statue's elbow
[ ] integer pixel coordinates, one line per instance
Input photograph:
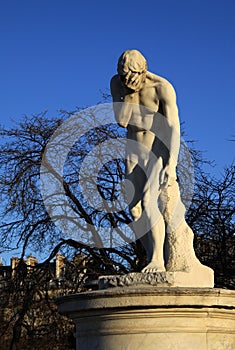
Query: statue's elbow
(122, 124)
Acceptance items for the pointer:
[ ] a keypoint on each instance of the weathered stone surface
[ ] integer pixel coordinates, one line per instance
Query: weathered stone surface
(134, 318)
(161, 279)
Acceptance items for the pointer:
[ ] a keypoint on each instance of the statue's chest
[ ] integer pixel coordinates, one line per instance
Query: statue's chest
(149, 98)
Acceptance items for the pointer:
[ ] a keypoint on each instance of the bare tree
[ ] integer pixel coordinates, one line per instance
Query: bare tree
(26, 224)
(212, 217)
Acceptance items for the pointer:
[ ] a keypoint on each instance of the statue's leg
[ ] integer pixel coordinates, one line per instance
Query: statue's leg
(135, 182)
(134, 185)
(155, 222)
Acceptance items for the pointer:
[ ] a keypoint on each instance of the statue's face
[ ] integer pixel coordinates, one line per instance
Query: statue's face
(133, 80)
(132, 69)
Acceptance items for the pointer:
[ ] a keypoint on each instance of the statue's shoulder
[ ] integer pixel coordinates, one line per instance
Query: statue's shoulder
(115, 85)
(164, 88)
(115, 81)
(159, 81)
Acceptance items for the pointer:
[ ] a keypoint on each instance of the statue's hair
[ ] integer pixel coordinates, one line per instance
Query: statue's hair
(131, 60)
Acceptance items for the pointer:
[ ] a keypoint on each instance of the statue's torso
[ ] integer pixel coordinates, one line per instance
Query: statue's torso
(141, 122)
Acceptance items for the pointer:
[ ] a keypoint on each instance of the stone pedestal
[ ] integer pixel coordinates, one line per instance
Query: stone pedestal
(151, 317)
(204, 279)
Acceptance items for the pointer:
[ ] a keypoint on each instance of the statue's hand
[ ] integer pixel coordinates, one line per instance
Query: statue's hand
(163, 178)
(131, 82)
(166, 173)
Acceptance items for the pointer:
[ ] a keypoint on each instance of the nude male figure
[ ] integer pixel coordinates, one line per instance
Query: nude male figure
(148, 166)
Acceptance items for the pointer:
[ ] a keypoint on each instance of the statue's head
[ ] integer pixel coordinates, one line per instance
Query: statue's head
(132, 68)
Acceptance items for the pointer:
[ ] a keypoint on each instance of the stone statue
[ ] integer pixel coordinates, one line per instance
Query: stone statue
(145, 104)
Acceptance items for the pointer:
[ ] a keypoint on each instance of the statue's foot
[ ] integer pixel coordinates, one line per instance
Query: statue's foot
(153, 266)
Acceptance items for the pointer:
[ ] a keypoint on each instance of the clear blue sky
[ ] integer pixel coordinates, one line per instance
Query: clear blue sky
(58, 54)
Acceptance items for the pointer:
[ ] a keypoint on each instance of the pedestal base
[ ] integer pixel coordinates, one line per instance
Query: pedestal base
(205, 279)
(153, 318)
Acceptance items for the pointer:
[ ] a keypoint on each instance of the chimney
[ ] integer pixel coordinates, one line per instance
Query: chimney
(14, 264)
(59, 264)
(31, 261)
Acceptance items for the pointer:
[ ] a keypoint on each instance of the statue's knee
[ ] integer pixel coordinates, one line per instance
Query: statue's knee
(136, 212)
